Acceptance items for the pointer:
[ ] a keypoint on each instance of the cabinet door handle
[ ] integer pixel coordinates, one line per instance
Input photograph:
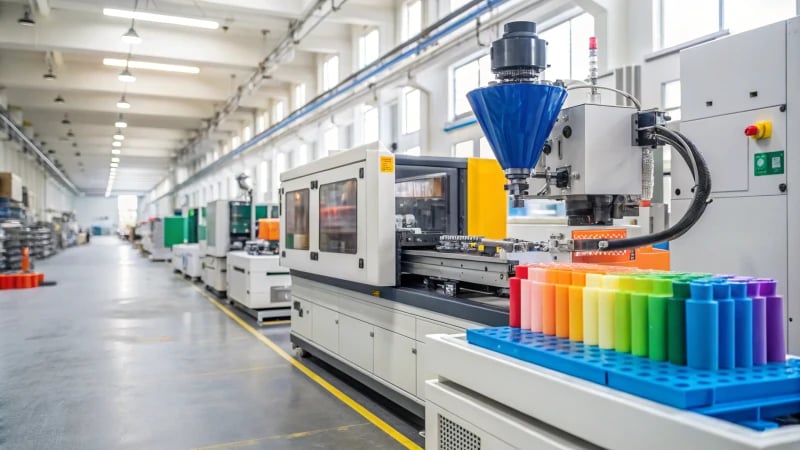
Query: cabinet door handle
(414, 351)
(371, 334)
(337, 321)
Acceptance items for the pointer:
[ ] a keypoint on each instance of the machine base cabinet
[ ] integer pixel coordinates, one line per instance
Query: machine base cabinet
(186, 259)
(257, 281)
(214, 275)
(376, 341)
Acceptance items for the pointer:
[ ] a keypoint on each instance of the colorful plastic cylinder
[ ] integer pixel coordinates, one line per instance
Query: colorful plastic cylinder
(657, 319)
(776, 329)
(576, 313)
(562, 310)
(590, 308)
(549, 309)
(525, 294)
(759, 322)
(676, 322)
(605, 318)
(514, 302)
(702, 327)
(743, 318)
(727, 323)
(622, 315)
(639, 327)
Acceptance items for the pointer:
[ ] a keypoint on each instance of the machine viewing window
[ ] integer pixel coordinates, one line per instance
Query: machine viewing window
(297, 220)
(422, 203)
(338, 216)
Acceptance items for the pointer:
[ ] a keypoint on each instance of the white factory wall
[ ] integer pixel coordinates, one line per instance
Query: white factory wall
(97, 211)
(628, 32)
(46, 196)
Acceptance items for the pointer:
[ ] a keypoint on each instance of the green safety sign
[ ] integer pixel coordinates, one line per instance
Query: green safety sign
(768, 163)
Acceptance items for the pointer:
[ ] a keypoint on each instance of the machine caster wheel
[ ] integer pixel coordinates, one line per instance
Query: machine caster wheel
(300, 352)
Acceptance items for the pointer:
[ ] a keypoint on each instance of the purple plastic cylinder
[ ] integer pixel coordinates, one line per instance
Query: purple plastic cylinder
(776, 329)
(759, 323)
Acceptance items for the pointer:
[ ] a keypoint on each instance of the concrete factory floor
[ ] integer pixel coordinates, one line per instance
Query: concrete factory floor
(122, 353)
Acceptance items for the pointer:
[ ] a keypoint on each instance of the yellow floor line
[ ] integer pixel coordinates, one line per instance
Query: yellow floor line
(299, 434)
(344, 398)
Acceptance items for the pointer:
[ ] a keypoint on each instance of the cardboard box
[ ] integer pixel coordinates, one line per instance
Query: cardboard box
(10, 186)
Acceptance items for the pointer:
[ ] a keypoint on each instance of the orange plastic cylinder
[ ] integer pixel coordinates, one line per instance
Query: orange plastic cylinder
(27, 280)
(40, 277)
(34, 280)
(549, 309)
(576, 313)
(16, 281)
(562, 311)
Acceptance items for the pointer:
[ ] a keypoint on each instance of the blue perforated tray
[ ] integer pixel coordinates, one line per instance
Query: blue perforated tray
(747, 396)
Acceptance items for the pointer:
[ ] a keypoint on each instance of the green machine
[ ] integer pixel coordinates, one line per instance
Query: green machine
(174, 231)
(195, 225)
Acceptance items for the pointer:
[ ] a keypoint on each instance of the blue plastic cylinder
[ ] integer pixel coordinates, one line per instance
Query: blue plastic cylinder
(727, 324)
(702, 327)
(743, 312)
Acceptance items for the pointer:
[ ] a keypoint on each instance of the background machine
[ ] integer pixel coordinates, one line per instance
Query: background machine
(186, 257)
(228, 225)
(256, 281)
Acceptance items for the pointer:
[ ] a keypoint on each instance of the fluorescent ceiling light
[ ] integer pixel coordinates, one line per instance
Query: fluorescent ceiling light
(126, 76)
(113, 164)
(131, 37)
(121, 122)
(115, 151)
(118, 136)
(123, 104)
(114, 159)
(161, 18)
(114, 62)
(116, 144)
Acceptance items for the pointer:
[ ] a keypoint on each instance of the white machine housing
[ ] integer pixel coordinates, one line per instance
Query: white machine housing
(373, 263)
(186, 259)
(155, 242)
(218, 228)
(598, 152)
(751, 227)
(258, 281)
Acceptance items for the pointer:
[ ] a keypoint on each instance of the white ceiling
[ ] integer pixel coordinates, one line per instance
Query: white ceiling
(168, 109)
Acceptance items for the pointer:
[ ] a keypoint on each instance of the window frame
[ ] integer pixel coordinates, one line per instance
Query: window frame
(405, 129)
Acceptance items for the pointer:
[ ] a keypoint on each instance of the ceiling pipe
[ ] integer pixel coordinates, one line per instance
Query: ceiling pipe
(15, 131)
(428, 37)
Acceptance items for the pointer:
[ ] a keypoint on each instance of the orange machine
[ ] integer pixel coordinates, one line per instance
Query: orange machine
(269, 229)
(642, 258)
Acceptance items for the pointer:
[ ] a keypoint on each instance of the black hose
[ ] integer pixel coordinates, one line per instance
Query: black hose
(702, 191)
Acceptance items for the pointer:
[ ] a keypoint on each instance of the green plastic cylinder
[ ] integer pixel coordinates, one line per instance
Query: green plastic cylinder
(657, 319)
(639, 328)
(676, 322)
(622, 315)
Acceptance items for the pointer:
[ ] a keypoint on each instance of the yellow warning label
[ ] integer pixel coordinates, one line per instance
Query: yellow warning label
(387, 164)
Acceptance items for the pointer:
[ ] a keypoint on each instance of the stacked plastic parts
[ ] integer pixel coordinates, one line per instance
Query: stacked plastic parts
(711, 343)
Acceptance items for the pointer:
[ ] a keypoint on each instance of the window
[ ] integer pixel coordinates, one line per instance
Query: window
(300, 156)
(235, 142)
(338, 217)
(740, 15)
(330, 72)
(370, 124)
(297, 220)
(467, 77)
(280, 162)
(247, 133)
(368, 47)
(455, 4)
(262, 121)
(280, 111)
(413, 151)
(412, 108)
(299, 95)
(671, 98)
(331, 140)
(678, 27)
(263, 177)
(127, 207)
(485, 150)
(568, 48)
(411, 20)
(464, 149)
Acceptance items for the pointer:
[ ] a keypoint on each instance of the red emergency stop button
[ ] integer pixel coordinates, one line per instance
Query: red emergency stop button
(759, 130)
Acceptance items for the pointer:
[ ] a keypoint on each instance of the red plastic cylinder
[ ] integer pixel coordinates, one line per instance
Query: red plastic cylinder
(40, 277)
(34, 280)
(27, 280)
(4, 281)
(514, 315)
